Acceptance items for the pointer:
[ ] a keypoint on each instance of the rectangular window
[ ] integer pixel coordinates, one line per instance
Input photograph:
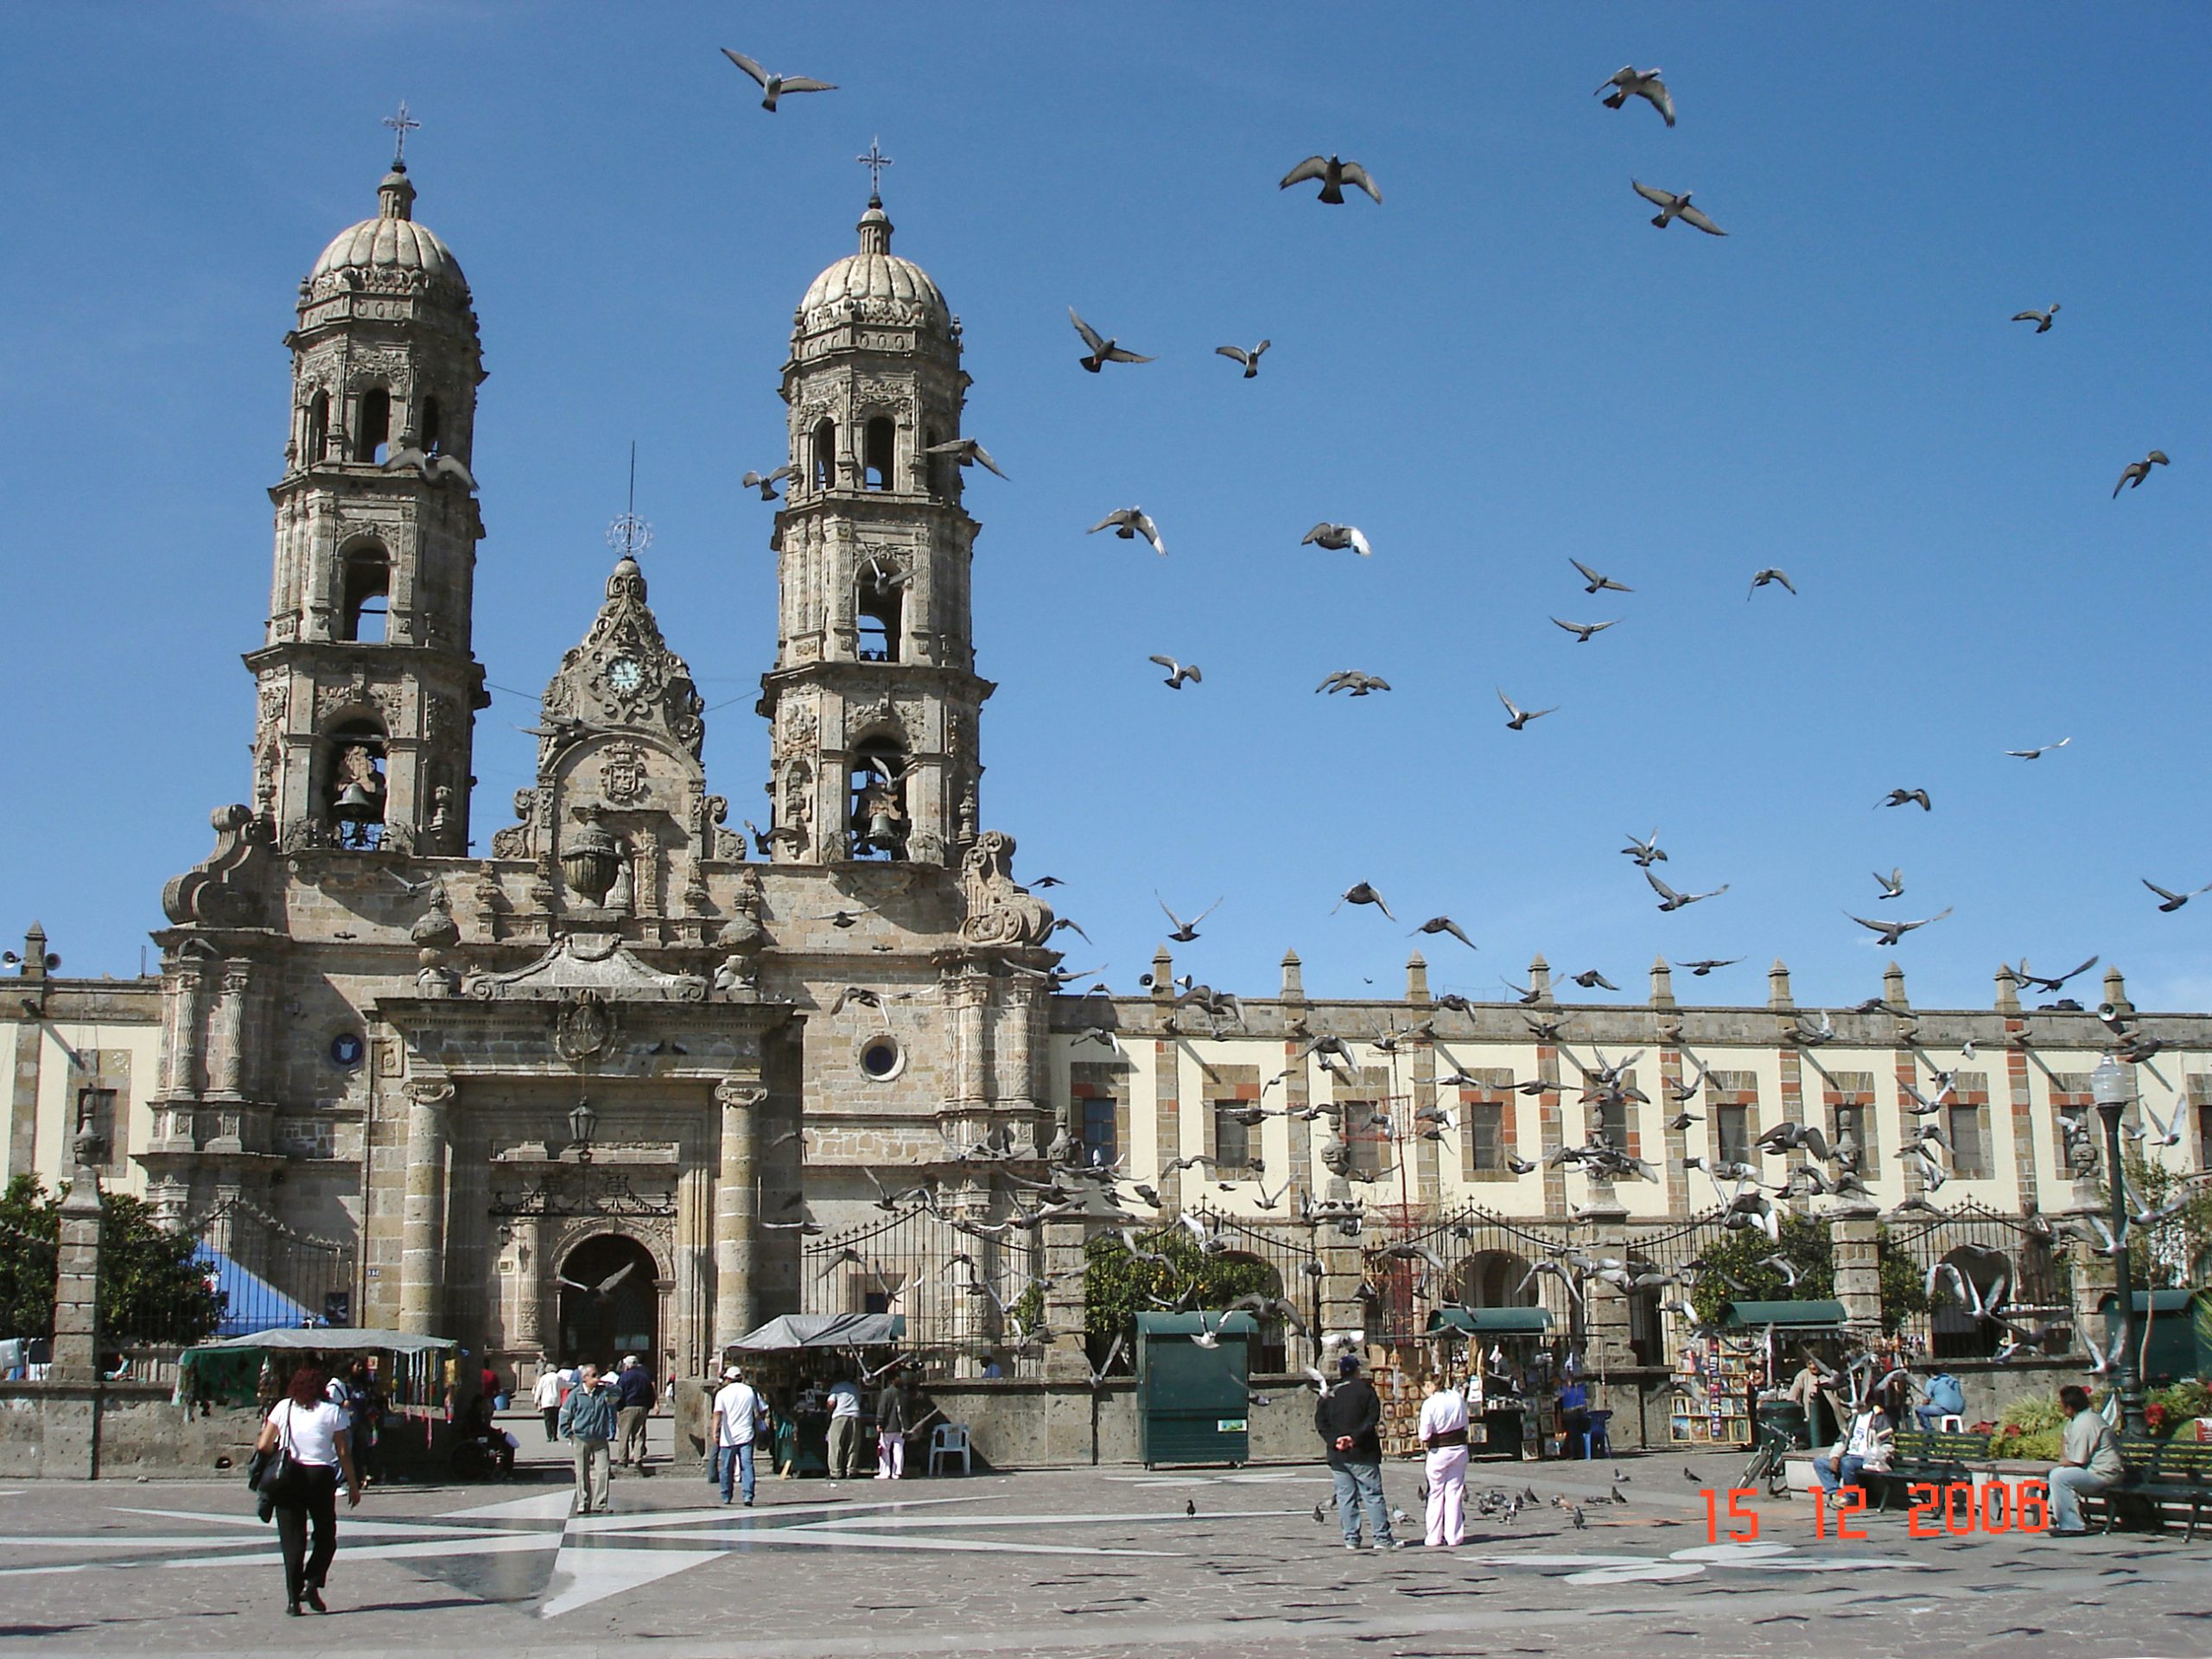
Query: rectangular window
(1612, 1123)
(2204, 1135)
(1232, 1139)
(1100, 1143)
(1969, 1149)
(1732, 1124)
(1486, 1135)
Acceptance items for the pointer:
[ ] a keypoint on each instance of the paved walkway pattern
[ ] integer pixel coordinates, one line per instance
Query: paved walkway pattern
(1103, 1562)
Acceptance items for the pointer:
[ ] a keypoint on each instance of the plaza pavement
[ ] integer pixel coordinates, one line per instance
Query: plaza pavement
(1102, 1562)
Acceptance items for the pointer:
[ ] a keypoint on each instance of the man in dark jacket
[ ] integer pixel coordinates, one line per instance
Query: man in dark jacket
(633, 1401)
(1346, 1417)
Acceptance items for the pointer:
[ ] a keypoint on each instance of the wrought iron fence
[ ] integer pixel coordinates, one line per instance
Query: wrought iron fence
(1288, 1250)
(1988, 1253)
(962, 1294)
(1469, 1256)
(268, 1276)
(28, 1266)
(1657, 1322)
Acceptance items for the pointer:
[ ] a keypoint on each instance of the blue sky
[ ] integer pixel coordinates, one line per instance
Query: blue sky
(1501, 367)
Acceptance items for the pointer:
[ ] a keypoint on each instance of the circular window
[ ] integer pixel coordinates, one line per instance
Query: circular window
(881, 1059)
(346, 1049)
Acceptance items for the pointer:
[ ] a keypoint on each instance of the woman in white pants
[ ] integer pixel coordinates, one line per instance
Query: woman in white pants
(1443, 1433)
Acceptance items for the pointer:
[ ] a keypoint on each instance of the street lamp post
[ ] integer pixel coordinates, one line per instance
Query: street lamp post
(2108, 1087)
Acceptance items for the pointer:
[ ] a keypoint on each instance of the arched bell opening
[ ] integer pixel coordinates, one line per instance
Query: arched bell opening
(877, 788)
(364, 603)
(354, 791)
(878, 610)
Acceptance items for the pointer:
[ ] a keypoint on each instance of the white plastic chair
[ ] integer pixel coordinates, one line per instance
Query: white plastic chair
(948, 1440)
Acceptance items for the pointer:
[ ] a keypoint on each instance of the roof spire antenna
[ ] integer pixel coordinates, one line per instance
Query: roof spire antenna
(401, 126)
(875, 161)
(630, 535)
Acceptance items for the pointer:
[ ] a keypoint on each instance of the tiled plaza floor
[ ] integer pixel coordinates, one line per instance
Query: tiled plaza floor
(1075, 1563)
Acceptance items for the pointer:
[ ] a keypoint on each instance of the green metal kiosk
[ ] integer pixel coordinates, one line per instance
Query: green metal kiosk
(1192, 1402)
(2177, 1328)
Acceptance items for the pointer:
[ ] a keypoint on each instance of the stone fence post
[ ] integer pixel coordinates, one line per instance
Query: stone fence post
(1855, 1233)
(77, 1282)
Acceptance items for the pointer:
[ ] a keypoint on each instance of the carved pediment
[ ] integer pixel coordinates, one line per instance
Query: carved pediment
(597, 964)
(622, 678)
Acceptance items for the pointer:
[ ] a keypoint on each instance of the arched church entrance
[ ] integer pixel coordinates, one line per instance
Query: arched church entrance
(609, 1307)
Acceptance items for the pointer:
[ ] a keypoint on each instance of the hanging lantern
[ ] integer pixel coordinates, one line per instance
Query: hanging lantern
(591, 861)
(582, 1121)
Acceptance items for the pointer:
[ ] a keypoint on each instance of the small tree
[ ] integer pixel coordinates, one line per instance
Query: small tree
(1745, 1257)
(1117, 1286)
(151, 1286)
(2167, 1254)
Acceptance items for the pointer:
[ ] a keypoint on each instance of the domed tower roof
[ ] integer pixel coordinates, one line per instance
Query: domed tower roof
(873, 286)
(391, 250)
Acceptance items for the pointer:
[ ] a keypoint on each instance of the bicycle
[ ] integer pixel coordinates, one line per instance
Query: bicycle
(1767, 1464)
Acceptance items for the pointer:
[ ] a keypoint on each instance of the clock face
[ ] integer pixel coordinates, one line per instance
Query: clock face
(625, 675)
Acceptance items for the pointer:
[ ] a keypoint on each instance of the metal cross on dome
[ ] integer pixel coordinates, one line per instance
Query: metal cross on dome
(402, 126)
(875, 161)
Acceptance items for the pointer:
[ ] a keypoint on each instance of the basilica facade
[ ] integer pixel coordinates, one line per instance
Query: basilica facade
(639, 1080)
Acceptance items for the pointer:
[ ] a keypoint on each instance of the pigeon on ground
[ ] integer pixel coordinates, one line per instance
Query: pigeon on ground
(1672, 208)
(1128, 524)
(1103, 351)
(1628, 81)
(1334, 175)
(1250, 359)
(775, 85)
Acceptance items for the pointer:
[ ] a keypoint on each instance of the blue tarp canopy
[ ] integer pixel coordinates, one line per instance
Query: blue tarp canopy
(250, 1303)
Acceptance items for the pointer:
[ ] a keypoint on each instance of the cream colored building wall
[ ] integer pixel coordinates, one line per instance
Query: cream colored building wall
(120, 1044)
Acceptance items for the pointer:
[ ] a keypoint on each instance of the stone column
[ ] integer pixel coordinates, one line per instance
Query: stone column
(77, 1279)
(1343, 1270)
(423, 1212)
(229, 1044)
(1061, 1243)
(183, 1080)
(1605, 1306)
(1853, 1230)
(22, 1105)
(737, 1203)
(530, 1277)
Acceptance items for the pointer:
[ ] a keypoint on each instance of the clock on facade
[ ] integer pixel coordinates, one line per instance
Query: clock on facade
(625, 675)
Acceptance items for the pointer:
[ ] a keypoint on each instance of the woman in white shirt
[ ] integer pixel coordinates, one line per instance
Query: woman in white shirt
(314, 1436)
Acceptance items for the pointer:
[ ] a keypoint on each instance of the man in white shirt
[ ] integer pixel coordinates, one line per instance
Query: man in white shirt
(547, 1398)
(740, 1414)
(844, 1427)
(1443, 1431)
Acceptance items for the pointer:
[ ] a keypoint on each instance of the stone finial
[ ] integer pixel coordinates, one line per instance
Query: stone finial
(2008, 989)
(1416, 978)
(1778, 986)
(1540, 977)
(2116, 992)
(395, 194)
(1893, 986)
(34, 952)
(1163, 974)
(1294, 977)
(1663, 983)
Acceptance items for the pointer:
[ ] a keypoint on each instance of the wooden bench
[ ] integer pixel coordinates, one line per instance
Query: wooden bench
(2161, 1473)
(1931, 1455)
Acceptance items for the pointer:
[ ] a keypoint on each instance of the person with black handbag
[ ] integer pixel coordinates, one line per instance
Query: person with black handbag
(303, 1447)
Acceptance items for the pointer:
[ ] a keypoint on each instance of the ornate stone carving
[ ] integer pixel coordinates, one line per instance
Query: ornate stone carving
(740, 1094)
(795, 727)
(583, 1027)
(219, 892)
(587, 961)
(352, 698)
(518, 840)
(1000, 911)
(623, 674)
(622, 774)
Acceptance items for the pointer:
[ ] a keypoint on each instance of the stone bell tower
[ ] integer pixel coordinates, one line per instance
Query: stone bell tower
(873, 699)
(366, 682)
